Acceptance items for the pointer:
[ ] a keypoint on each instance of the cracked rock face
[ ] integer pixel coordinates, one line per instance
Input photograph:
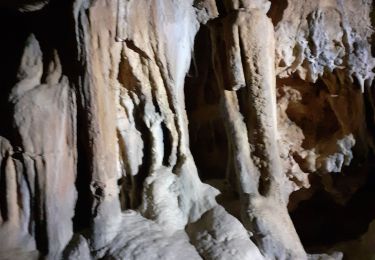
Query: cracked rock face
(194, 129)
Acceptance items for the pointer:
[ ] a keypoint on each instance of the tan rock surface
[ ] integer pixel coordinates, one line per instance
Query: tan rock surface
(191, 129)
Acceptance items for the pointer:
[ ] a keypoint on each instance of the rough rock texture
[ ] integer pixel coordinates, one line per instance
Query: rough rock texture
(191, 129)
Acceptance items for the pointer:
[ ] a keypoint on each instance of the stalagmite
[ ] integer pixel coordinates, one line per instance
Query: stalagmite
(190, 129)
(252, 129)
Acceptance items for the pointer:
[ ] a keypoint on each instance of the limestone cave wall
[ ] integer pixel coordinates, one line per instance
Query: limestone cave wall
(187, 129)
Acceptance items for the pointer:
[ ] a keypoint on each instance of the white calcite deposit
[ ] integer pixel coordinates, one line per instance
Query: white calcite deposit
(183, 129)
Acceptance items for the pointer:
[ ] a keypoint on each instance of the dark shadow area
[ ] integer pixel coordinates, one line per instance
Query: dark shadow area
(208, 140)
(277, 10)
(322, 222)
(14, 29)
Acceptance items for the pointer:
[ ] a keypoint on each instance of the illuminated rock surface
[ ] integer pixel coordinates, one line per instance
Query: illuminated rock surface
(191, 129)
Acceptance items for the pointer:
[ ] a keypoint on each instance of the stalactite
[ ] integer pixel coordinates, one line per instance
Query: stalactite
(194, 129)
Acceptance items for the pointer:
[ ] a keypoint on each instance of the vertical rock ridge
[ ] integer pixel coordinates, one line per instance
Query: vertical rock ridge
(195, 129)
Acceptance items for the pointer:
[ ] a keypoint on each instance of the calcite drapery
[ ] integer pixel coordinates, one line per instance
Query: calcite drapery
(95, 149)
